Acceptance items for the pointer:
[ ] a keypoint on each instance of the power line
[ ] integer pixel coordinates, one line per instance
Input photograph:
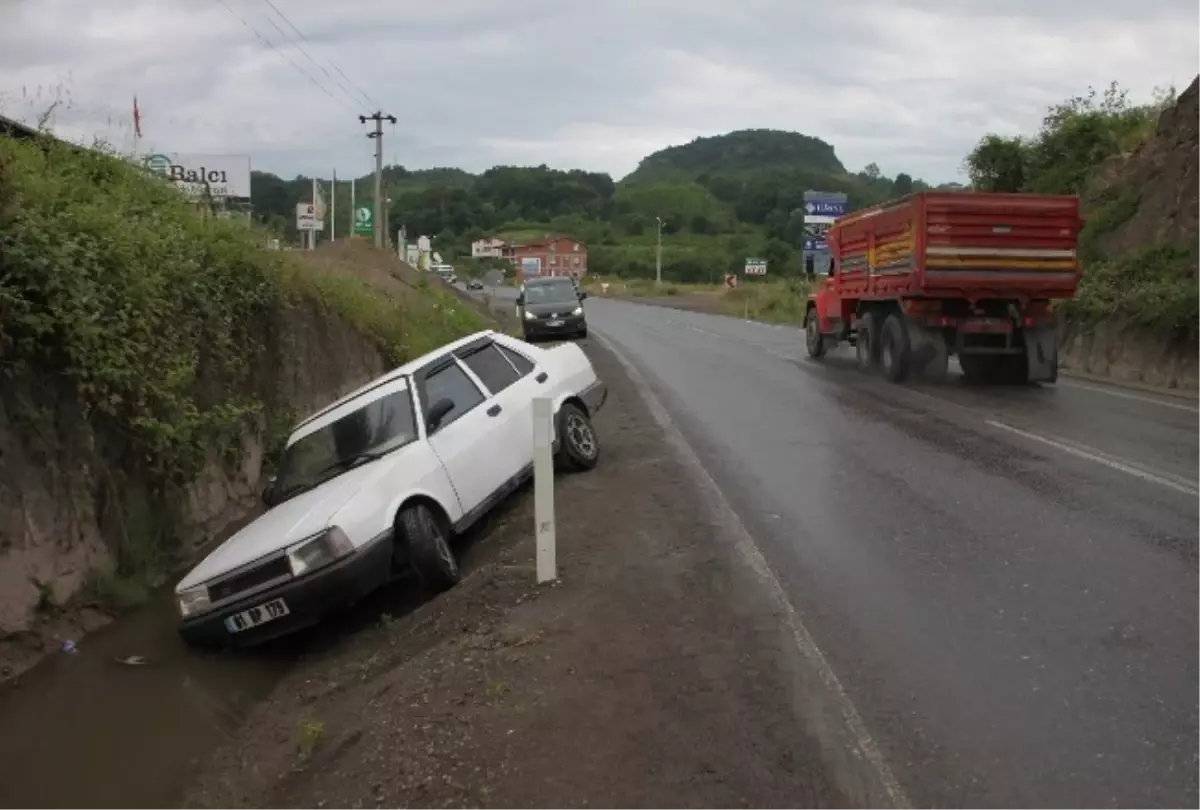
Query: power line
(366, 98)
(275, 48)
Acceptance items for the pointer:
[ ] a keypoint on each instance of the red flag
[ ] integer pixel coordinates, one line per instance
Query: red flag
(137, 119)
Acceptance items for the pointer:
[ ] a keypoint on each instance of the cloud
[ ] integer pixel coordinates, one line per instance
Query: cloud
(910, 85)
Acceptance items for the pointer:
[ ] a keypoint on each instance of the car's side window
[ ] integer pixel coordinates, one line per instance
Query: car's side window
(491, 367)
(452, 383)
(520, 362)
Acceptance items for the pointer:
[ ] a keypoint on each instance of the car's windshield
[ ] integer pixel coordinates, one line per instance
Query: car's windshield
(557, 293)
(379, 426)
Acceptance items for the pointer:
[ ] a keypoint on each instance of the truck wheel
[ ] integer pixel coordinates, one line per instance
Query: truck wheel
(578, 446)
(894, 349)
(866, 350)
(429, 551)
(814, 341)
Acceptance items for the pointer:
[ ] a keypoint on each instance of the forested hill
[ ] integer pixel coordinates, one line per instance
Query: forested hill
(721, 198)
(747, 151)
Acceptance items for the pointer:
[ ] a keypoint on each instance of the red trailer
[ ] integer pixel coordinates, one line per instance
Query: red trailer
(935, 274)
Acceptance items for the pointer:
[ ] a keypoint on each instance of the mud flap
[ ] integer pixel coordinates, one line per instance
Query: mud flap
(1041, 354)
(927, 350)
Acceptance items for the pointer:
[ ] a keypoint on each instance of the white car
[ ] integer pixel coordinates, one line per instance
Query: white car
(376, 485)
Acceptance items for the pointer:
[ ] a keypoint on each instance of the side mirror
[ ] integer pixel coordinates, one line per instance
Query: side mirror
(268, 493)
(582, 295)
(438, 411)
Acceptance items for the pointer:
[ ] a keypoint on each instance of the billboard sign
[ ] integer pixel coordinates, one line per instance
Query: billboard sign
(199, 176)
(756, 267)
(828, 208)
(364, 221)
(307, 219)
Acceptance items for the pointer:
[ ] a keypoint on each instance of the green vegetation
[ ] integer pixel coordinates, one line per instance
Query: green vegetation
(125, 313)
(721, 199)
(1154, 284)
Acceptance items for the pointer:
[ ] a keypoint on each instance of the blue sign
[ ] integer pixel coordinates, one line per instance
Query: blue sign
(816, 244)
(827, 208)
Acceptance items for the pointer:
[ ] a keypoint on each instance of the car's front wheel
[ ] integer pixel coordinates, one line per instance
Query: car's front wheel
(429, 551)
(578, 446)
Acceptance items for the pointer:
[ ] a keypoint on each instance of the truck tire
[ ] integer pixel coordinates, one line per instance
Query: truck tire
(429, 551)
(866, 344)
(814, 341)
(894, 350)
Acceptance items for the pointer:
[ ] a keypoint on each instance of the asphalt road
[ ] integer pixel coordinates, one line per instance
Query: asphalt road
(1004, 580)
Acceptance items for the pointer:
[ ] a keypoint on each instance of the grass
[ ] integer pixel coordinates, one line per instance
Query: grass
(775, 301)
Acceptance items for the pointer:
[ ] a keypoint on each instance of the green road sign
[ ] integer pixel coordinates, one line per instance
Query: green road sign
(364, 222)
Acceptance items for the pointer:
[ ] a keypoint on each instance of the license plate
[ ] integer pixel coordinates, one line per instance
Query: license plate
(554, 323)
(266, 612)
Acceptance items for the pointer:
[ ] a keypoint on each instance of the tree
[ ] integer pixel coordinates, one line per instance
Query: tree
(997, 163)
(871, 171)
(902, 185)
(777, 253)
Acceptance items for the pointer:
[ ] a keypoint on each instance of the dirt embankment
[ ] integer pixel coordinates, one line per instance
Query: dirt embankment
(654, 674)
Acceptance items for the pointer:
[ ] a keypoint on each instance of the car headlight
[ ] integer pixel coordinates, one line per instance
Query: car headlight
(577, 311)
(328, 546)
(529, 316)
(193, 601)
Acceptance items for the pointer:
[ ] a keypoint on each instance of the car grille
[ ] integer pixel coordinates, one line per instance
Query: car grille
(249, 579)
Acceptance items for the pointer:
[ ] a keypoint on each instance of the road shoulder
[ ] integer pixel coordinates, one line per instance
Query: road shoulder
(656, 673)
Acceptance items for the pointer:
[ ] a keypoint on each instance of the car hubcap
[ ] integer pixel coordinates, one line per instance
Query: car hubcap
(439, 542)
(581, 435)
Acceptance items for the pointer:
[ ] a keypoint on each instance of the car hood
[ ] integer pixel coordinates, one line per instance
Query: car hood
(561, 307)
(291, 521)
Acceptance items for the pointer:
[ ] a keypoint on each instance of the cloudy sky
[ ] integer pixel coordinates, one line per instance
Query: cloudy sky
(595, 84)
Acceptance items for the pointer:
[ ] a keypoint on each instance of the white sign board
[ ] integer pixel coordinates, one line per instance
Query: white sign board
(198, 176)
(756, 267)
(307, 219)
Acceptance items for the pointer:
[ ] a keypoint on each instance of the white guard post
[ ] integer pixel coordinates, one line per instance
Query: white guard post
(543, 488)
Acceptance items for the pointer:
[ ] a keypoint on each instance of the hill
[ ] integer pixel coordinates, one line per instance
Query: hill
(747, 150)
(720, 199)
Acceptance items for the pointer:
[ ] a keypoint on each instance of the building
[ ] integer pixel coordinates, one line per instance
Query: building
(552, 255)
(487, 247)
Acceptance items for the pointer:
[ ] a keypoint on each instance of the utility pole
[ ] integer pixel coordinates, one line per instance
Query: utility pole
(378, 118)
(658, 254)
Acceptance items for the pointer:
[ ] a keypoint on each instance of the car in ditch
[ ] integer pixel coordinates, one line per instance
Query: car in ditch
(376, 486)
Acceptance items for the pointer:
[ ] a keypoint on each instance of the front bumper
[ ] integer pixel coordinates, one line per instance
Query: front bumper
(308, 598)
(570, 325)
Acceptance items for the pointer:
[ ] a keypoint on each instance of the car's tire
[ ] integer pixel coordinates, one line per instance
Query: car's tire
(527, 337)
(429, 551)
(578, 447)
(583, 332)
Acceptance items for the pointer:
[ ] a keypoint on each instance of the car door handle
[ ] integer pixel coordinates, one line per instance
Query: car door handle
(542, 377)
(495, 409)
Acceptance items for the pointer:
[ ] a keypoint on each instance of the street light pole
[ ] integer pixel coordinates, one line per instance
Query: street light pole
(658, 254)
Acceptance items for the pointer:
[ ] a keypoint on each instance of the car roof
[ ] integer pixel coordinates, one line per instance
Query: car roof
(400, 371)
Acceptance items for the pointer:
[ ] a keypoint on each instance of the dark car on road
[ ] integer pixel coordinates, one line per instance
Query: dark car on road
(551, 307)
(474, 284)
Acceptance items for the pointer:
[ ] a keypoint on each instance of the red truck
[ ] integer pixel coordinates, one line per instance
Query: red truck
(935, 274)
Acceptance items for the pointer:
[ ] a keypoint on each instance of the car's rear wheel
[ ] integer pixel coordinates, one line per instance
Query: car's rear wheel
(578, 446)
(429, 551)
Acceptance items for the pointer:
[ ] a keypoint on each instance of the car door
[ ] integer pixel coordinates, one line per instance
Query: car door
(466, 439)
(513, 389)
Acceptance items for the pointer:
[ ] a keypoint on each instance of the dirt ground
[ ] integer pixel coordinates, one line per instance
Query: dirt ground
(651, 675)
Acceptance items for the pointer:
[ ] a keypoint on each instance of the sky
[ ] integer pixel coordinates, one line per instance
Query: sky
(909, 85)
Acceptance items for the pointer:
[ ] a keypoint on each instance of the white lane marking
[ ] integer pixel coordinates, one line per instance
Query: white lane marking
(861, 743)
(1162, 479)
(1124, 395)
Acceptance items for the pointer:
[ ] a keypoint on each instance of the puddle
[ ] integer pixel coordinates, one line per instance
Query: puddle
(82, 730)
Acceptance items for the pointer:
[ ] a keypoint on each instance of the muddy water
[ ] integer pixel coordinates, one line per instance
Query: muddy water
(82, 730)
